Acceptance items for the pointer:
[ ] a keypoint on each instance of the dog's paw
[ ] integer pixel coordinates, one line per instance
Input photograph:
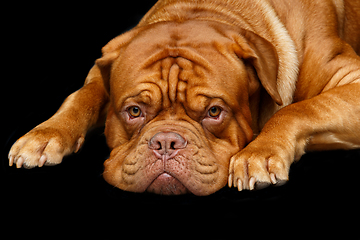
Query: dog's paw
(259, 165)
(43, 146)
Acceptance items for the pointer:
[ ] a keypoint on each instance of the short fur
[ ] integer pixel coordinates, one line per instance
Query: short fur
(204, 93)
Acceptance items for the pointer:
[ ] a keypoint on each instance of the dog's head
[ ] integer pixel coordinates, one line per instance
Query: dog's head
(179, 104)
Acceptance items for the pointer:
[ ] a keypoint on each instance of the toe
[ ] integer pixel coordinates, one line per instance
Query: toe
(53, 153)
(258, 175)
(252, 183)
(279, 171)
(238, 172)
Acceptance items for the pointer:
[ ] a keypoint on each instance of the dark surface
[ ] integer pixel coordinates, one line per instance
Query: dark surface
(48, 54)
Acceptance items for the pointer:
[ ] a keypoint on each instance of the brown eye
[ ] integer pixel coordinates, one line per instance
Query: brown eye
(134, 112)
(214, 111)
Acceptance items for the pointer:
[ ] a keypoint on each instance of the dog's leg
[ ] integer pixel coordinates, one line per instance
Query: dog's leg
(327, 121)
(330, 120)
(63, 133)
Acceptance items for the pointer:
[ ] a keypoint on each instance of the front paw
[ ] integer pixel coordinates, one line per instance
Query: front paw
(259, 165)
(43, 146)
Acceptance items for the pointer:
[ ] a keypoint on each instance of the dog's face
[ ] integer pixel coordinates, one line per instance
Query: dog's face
(179, 110)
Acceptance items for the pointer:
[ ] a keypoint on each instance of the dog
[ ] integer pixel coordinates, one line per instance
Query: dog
(207, 93)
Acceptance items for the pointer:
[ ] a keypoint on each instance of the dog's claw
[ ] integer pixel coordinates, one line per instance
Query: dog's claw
(239, 185)
(20, 162)
(273, 178)
(11, 160)
(42, 160)
(252, 183)
(230, 180)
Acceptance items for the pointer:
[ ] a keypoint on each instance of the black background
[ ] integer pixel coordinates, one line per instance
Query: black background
(48, 50)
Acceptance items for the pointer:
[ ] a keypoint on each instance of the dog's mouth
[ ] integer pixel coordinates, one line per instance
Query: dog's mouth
(166, 184)
(167, 160)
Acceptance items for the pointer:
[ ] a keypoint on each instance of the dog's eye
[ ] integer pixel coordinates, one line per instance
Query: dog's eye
(214, 111)
(134, 112)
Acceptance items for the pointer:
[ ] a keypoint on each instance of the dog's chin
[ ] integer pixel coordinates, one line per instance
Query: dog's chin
(165, 184)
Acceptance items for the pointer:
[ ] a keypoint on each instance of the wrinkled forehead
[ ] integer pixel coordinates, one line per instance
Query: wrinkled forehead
(194, 40)
(181, 60)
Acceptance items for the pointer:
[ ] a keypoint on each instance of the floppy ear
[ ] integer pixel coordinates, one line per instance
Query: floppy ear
(111, 52)
(262, 55)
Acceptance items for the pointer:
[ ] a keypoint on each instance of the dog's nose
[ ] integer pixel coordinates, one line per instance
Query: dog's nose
(166, 145)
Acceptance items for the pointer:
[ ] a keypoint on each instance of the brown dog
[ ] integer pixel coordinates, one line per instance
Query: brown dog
(186, 91)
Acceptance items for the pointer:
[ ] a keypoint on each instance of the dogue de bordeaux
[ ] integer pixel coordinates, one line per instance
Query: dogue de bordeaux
(205, 93)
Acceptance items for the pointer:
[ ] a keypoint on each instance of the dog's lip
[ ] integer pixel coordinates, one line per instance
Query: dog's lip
(166, 184)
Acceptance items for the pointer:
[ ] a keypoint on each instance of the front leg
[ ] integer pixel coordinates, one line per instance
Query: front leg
(64, 133)
(328, 121)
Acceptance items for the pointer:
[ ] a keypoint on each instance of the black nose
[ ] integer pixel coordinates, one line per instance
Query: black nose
(166, 143)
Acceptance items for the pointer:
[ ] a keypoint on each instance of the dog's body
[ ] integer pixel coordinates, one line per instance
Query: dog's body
(186, 91)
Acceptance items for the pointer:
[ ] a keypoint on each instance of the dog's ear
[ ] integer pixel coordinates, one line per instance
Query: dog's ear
(262, 55)
(110, 52)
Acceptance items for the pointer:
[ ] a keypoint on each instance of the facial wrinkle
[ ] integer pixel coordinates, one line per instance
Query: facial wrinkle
(173, 82)
(175, 71)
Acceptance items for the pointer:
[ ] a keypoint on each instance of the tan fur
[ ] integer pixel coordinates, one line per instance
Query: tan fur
(256, 16)
(225, 92)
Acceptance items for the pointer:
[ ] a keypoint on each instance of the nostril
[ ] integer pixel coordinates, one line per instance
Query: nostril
(158, 146)
(164, 141)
